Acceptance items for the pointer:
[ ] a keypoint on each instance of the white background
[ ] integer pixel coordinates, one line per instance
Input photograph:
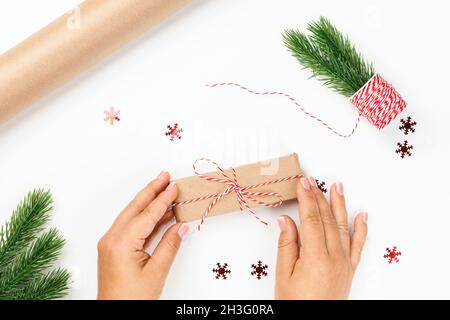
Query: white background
(94, 169)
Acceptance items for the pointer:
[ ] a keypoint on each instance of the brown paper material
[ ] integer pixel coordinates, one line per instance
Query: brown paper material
(70, 45)
(251, 174)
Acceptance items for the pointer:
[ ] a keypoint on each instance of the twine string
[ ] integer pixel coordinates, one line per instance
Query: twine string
(377, 101)
(293, 100)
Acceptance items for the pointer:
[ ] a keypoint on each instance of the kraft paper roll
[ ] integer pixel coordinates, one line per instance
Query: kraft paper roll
(70, 45)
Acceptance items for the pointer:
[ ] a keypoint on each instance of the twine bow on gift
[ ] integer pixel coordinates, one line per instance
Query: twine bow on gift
(242, 193)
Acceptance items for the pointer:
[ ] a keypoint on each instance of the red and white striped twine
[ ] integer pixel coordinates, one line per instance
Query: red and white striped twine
(377, 100)
(242, 193)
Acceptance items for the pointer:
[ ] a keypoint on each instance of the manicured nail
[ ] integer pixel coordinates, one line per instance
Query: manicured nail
(170, 186)
(183, 230)
(305, 183)
(340, 188)
(313, 182)
(162, 174)
(282, 223)
(365, 217)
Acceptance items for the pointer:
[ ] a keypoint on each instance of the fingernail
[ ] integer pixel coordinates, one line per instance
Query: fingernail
(183, 229)
(365, 217)
(162, 174)
(313, 182)
(282, 223)
(340, 188)
(305, 183)
(170, 186)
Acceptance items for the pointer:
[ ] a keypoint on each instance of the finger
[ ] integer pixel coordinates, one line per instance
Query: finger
(337, 203)
(142, 200)
(167, 249)
(358, 238)
(288, 248)
(332, 238)
(311, 227)
(141, 226)
(166, 218)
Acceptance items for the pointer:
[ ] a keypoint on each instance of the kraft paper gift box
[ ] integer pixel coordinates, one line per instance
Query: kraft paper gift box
(247, 175)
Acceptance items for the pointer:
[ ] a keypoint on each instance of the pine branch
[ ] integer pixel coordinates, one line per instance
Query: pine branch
(331, 57)
(31, 262)
(53, 285)
(333, 43)
(309, 55)
(26, 222)
(24, 256)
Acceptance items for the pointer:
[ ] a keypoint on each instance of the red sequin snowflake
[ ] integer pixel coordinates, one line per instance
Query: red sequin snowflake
(174, 132)
(404, 149)
(259, 270)
(112, 115)
(221, 271)
(322, 186)
(392, 254)
(408, 125)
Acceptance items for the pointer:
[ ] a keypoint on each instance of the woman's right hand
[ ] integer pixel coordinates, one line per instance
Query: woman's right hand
(319, 261)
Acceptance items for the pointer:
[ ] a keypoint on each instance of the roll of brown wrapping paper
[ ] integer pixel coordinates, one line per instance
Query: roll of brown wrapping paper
(72, 44)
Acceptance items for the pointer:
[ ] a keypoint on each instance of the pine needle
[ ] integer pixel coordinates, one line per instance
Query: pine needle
(331, 57)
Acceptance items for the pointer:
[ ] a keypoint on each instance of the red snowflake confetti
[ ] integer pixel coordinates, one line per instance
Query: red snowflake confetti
(407, 125)
(174, 132)
(221, 270)
(112, 115)
(392, 254)
(404, 149)
(322, 186)
(259, 270)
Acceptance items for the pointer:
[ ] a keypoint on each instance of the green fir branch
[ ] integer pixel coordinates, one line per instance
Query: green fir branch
(330, 56)
(29, 218)
(26, 252)
(53, 285)
(31, 262)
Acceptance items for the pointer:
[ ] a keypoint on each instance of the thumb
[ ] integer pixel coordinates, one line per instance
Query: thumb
(167, 249)
(288, 249)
